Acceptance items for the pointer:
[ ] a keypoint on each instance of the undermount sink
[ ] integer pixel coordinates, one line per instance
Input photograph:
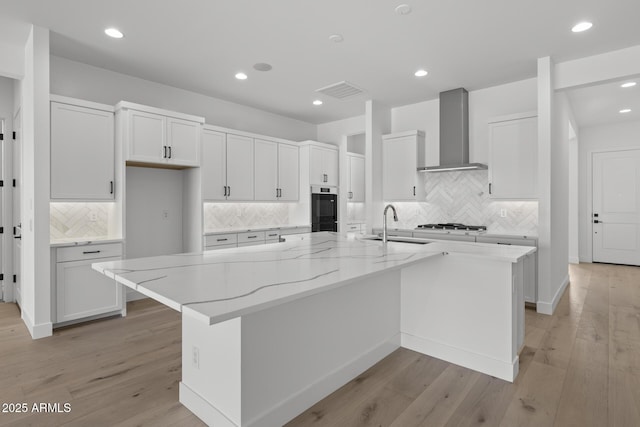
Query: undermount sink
(400, 239)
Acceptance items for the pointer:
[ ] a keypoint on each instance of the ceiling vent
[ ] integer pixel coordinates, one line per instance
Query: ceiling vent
(341, 90)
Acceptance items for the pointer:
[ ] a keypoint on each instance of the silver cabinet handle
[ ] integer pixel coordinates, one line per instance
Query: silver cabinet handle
(111, 187)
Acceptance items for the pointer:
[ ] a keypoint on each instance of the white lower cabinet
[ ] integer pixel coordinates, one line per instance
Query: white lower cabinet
(82, 292)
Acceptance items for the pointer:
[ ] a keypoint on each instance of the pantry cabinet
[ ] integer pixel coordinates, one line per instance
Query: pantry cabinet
(513, 157)
(227, 166)
(355, 174)
(402, 154)
(160, 137)
(276, 171)
(323, 166)
(82, 150)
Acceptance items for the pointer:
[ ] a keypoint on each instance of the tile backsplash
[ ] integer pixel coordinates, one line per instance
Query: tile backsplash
(462, 197)
(79, 220)
(241, 215)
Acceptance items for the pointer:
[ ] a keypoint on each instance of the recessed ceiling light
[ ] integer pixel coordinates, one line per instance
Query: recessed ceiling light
(420, 73)
(241, 76)
(114, 32)
(625, 110)
(336, 38)
(317, 102)
(628, 84)
(262, 66)
(403, 9)
(582, 26)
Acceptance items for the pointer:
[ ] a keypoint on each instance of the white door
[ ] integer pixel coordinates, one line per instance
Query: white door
(266, 170)
(82, 153)
(616, 207)
(147, 138)
(399, 172)
(239, 167)
(16, 199)
(288, 173)
(214, 165)
(183, 142)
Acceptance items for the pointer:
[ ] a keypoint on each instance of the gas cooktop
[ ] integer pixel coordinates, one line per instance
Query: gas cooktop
(452, 226)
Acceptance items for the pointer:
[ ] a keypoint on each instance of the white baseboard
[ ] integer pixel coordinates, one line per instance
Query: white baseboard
(134, 296)
(574, 260)
(296, 403)
(478, 362)
(544, 307)
(41, 330)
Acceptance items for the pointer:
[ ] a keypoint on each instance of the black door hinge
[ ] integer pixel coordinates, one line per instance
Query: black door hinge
(15, 278)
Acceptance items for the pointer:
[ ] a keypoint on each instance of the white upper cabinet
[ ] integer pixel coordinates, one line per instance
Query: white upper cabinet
(402, 154)
(82, 150)
(214, 165)
(159, 137)
(355, 174)
(240, 167)
(266, 170)
(276, 171)
(288, 173)
(513, 157)
(323, 166)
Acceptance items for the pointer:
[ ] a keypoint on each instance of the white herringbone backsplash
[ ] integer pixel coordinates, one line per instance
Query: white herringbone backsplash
(462, 197)
(74, 220)
(241, 215)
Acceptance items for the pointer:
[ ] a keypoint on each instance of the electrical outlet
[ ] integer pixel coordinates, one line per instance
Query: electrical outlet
(195, 357)
(503, 213)
(165, 214)
(93, 216)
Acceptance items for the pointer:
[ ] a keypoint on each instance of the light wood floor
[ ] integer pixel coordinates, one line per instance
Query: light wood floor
(579, 367)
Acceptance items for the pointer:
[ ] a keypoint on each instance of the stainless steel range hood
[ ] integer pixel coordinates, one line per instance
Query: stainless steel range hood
(454, 133)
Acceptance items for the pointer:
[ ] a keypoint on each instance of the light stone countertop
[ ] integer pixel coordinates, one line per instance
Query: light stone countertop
(223, 284)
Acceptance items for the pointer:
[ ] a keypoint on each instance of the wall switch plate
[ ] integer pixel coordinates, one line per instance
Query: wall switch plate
(503, 213)
(93, 216)
(165, 214)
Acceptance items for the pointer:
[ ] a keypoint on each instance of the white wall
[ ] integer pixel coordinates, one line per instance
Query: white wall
(150, 192)
(332, 132)
(516, 97)
(12, 64)
(593, 139)
(36, 273)
(77, 80)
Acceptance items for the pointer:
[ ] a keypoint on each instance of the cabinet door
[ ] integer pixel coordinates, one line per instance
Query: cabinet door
(513, 159)
(399, 173)
(82, 292)
(266, 170)
(82, 153)
(146, 138)
(239, 167)
(356, 179)
(183, 140)
(530, 278)
(316, 167)
(330, 166)
(288, 172)
(214, 165)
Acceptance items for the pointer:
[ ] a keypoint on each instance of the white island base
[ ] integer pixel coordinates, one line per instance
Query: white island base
(266, 367)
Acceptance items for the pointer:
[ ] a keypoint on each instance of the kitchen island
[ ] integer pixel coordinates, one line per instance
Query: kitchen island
(270, 330)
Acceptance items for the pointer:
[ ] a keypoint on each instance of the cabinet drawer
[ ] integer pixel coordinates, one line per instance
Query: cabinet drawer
(506, 241)
(78, 253)
(272, 235)
(220, 239)
(254, 236)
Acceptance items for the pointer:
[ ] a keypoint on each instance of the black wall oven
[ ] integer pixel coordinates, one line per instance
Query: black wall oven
(324, 209)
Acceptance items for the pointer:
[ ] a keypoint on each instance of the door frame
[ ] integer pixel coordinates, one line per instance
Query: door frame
(587, 216)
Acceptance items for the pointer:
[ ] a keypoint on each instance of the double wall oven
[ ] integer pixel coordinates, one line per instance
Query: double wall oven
(324, 208)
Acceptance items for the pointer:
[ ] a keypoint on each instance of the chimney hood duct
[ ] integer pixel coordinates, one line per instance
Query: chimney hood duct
(454, 133)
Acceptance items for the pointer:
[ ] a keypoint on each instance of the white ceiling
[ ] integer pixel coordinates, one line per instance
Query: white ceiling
(199, 45)
(601, 104)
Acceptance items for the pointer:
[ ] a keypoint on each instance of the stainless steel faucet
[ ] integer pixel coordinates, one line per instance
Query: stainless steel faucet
(384, 221)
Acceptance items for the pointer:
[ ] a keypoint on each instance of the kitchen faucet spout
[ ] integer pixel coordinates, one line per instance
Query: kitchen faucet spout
(384, 221)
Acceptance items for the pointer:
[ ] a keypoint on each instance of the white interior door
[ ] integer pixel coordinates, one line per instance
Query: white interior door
(17, 219)
(616, 207)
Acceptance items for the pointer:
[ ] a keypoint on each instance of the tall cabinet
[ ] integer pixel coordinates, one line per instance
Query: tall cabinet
(355, 175)
(276, 171)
